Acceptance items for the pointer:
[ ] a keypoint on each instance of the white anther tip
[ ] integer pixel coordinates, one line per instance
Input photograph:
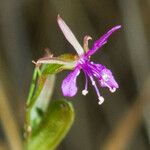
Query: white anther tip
(101, 100)
(112, 90)
(84, 92)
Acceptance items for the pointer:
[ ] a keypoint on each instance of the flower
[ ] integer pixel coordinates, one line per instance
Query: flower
(96, 73)
(91, 70)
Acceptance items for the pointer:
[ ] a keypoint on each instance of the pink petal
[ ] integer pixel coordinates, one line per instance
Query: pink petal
(69, 87)
(108, 80)
(103, 40)
(69, 35)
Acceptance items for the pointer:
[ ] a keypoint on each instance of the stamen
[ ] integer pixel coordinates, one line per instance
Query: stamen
(88, 72)
(101, 100)
(84, 92)
(112, 90)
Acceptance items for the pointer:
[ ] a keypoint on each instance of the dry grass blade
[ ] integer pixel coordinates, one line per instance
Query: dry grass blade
(8, 122)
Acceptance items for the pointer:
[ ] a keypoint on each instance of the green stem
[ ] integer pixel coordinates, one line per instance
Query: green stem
(36, 72)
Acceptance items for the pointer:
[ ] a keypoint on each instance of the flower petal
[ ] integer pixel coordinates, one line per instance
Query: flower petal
(107, 80)
(69, 35)
(69, 87)
(103, 40)
(104, 76)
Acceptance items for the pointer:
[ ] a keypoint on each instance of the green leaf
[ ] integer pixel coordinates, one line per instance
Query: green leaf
(39, 96)
(38, 79)
(53, 128)
(40, 93)
(42, 100)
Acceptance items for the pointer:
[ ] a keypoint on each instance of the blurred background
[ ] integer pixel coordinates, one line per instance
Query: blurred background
(29, 26)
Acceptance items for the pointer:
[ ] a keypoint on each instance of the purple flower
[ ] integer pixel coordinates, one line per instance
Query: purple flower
(96, 73)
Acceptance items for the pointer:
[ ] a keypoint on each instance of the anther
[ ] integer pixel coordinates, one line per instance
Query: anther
(101, 100)
(112, 90)
(84, 92)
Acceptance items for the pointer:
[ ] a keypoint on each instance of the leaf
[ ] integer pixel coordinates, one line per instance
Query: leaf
(39, 97)
(42, 100)
(39, 101)
(53, 128)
